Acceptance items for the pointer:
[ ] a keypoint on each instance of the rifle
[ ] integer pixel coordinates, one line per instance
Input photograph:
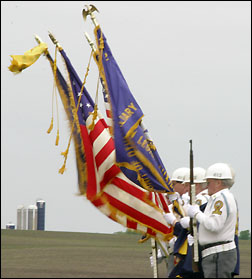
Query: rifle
(154, 257)
(193, 222)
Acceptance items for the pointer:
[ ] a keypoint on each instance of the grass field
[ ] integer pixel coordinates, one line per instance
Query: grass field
(46, 254)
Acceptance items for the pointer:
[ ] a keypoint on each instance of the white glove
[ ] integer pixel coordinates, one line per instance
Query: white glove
(170, 218)
(151, 261)
(185, 221)
(172, 242)
(173, 197)
(186, 198)
(159, 254)
(159, 257)
(192, 210)
(190, 239)
(185, 207)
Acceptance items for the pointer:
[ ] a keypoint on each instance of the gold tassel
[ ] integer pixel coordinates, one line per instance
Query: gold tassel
(65, 153)
(57, 138)
(95, 113)
(63, 168)
(51, 126)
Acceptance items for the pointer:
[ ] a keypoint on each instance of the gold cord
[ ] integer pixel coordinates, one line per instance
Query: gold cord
(54, 94)
(95, 112)
(65, 154)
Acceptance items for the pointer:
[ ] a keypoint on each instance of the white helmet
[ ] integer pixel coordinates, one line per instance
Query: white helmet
(219, 171)
(179, 174)
(198, 175)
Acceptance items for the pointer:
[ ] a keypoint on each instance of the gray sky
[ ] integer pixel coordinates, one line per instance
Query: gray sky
(188, 66)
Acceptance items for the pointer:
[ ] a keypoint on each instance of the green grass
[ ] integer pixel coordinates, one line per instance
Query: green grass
(245, 258)
(45, 254)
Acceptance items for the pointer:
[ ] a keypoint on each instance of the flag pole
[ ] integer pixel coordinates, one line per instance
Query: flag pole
(154, 257)
(91, 43)
(193, 222)
(54, 40)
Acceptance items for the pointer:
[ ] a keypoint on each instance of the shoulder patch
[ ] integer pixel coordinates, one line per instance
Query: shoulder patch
(198, 202)
(217, 206)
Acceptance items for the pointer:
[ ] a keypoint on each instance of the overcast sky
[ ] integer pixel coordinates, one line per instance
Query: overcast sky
(188, 66)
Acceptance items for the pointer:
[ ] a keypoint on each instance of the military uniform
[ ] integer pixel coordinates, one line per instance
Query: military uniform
(217, 235)
(217, 231)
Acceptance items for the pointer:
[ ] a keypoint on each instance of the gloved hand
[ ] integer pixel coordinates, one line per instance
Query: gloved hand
(190, 239)
(170, 218)
(186, 198)
(173, 197)
(192, 210)
(185, 221)
(151, 261)
(171, 243)
(159, 256)
(185, 207)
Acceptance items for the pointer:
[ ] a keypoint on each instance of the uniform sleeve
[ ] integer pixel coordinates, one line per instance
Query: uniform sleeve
(216, 218)
(177, 229)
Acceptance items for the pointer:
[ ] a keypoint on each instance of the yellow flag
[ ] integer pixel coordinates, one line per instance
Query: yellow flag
(20, 62)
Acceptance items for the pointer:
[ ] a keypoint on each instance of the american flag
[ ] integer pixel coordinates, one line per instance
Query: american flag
(108, 188)
(121, 199)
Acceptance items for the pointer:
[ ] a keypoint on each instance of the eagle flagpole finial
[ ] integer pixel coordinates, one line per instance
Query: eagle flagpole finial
(90, 11)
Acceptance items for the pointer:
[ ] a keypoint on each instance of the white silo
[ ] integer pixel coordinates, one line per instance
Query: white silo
(21, 218)
(32, 217)
(24, 221)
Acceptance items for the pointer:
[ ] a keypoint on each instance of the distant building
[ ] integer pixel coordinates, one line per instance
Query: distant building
(21, 218)
(41, 215)
(10, 226)
(32, 217)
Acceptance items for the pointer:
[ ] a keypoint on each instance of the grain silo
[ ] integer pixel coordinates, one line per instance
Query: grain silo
(41, 214)
(32, 217)
(21, 218)
(10, 226)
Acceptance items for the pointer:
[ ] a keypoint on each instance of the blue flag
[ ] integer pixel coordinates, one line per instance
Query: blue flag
(135, 153)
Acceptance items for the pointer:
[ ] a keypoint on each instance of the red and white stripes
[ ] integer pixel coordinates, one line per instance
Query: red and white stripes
(118, 197)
